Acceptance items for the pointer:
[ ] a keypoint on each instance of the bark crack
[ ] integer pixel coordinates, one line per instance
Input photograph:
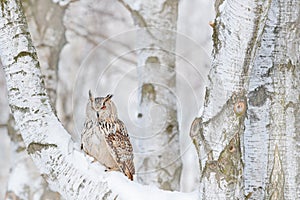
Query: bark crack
(24, 54)
(21, 109)
(276, 189)
(137, 17)
(35, 147)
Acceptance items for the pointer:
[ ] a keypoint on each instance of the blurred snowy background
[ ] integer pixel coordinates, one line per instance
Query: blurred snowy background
(99, 55)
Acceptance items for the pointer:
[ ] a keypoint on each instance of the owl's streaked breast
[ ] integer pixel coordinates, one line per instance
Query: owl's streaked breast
(94, 145)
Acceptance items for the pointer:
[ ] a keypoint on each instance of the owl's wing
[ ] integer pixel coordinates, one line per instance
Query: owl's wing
(120, 147)
(88, 125)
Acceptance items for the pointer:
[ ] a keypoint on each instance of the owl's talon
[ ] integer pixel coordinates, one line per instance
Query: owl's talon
(112, 169)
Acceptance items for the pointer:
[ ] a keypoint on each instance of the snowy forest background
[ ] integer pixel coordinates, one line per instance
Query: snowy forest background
(245, 128)
(106, 27)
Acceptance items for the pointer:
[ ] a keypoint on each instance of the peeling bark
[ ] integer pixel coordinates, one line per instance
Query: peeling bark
(276, 182)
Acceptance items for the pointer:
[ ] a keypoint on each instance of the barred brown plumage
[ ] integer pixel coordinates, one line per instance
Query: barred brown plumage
(105, 137)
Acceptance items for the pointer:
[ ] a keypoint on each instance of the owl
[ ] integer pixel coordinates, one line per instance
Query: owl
(105, 136)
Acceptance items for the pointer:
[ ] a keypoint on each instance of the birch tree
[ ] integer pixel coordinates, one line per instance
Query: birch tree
(25, 181)
(159, 154)
(247, 137)
(48, 34)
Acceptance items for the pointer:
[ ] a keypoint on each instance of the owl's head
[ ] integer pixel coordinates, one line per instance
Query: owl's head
(103, 108)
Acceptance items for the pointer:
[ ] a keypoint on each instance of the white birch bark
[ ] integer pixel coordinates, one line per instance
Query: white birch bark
(50, 146)
(25, 182)
(218, 133)
(45, 22)
(283, 98)
(247, 135)
(159, 160)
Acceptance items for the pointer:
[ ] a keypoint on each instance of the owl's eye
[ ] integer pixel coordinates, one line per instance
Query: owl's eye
(97, 114)
(103, 107)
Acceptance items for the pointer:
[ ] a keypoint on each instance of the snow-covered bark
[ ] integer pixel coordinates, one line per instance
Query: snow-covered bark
(45, 23)
(64, 167)
(247, 135)
(25, 181)
(158, 159)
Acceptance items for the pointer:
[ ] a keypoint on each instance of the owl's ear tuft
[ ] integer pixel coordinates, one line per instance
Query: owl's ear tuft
(91, 96)
(109, 96)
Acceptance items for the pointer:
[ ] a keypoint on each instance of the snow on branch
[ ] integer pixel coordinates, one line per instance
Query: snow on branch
(63, 2)
(65, 168)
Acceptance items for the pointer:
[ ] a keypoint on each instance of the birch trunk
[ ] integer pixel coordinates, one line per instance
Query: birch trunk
(278, 92)
(48, 34)
(159, 160)
(25, 182)
(247, 135)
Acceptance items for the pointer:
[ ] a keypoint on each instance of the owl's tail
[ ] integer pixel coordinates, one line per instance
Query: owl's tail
(129, 170)
(128, 174)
